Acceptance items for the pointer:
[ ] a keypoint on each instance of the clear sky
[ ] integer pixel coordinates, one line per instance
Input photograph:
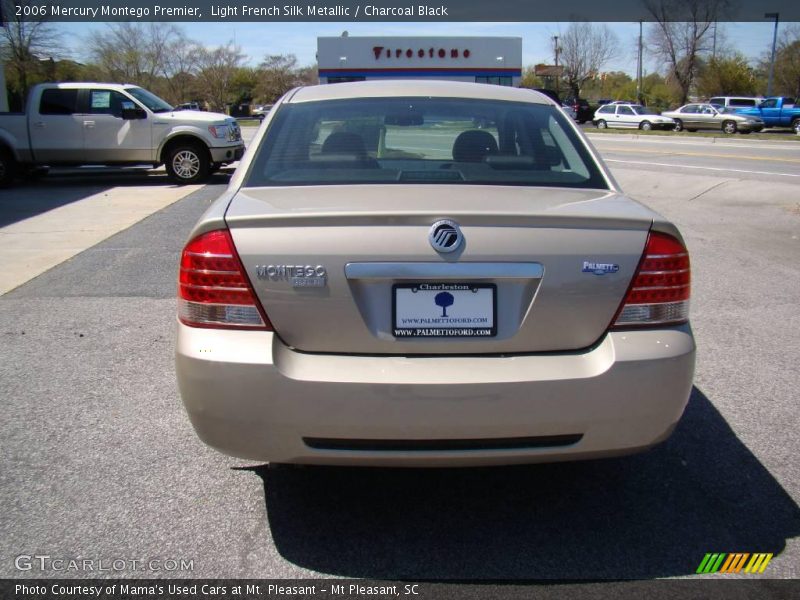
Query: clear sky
(260, 39)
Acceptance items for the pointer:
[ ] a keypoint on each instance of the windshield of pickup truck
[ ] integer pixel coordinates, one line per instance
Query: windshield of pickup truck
(150, 100)
(422, 140)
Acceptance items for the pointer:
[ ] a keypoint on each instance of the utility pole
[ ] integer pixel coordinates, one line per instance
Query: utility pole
(775, 16)
(714, 44)
(639, 68)
(557, 50)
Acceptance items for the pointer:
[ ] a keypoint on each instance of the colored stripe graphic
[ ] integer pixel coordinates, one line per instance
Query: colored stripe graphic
(758, 563)
(711, 563)
(734, 562)
(722, 562)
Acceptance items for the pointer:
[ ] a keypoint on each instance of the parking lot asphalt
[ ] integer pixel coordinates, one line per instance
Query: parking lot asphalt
(99, 460)
(42, 226)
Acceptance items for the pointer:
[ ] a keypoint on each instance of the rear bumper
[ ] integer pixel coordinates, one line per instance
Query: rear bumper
(250, 396)
(227, 154)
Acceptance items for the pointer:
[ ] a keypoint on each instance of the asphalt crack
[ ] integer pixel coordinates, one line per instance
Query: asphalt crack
(713, 187)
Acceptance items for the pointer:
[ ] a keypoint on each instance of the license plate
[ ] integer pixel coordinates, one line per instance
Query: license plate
(444, 310)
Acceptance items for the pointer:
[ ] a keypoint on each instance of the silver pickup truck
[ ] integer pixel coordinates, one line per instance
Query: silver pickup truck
(114, 124)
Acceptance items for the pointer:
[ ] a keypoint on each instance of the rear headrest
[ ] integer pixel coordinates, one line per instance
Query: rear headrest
(474, 146)
(344, 142)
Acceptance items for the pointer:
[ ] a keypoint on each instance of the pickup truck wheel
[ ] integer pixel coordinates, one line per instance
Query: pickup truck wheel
(8, 167)
(796, 126)
(187, 163)
(729, 127)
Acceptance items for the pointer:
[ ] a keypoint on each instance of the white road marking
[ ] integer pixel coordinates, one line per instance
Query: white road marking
(671, 165)
(765, 144)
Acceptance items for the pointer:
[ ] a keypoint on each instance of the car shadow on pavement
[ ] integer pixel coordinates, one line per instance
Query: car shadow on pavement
(29, 198)
(650, 515)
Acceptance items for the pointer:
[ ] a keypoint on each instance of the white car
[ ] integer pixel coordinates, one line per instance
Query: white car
(630, 116)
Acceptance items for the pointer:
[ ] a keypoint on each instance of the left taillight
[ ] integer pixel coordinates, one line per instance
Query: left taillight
(213, 288)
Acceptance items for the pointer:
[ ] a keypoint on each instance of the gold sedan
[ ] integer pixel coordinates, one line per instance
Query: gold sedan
(692, 117)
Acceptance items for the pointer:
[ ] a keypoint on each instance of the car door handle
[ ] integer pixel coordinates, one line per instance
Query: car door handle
(39, 124)
(88, 124)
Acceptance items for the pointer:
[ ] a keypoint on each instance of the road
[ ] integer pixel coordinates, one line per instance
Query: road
(99, 460)
(735, 157)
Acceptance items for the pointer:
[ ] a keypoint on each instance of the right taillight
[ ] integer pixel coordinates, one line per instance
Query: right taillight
(659, 292)
(213, 288)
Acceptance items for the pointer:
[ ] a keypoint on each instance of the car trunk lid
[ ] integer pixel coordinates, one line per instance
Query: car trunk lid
(336, 267)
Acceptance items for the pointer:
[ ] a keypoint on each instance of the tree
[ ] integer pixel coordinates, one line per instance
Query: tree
(157, 56)
(139, 53)
(24, 42)
(659, 93)
(530, 79)
(787, 62)
(680, 35)
(278, 74)
(444, 299)
(180, 62)
(614, 85)
(216, 70)
(243, 85)
(726, 76)
(308, 75)
(585, 50)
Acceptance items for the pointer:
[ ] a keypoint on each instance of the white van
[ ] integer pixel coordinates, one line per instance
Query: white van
(735, 101)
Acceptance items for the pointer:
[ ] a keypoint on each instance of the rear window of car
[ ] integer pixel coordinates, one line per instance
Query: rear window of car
(58, 102)
(741, 102)
(422, 140)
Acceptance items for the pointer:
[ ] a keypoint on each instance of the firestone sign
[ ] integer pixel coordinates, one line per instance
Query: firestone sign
(476, 59)
(383, 52)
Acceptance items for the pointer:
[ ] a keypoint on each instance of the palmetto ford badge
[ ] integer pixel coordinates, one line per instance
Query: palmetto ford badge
(599, 268)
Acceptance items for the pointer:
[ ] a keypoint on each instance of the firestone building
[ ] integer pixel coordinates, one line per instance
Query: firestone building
(496, 60)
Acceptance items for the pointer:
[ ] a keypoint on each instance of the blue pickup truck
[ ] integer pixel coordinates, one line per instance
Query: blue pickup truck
(776, 112)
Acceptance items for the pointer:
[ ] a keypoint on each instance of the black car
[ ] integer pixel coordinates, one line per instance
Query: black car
(583, 112)
(550, 94)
